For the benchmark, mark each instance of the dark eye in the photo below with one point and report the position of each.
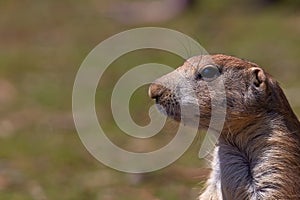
(209, 73)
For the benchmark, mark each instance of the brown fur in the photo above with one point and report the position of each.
(258, 151)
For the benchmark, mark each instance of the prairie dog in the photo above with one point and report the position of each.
(258, 152)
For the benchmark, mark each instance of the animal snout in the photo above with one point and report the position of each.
(156, 90)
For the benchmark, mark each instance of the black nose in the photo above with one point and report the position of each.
(156, 90)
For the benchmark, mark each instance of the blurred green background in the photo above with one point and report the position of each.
(42, 44)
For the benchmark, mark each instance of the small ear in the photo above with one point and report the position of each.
(258, 77)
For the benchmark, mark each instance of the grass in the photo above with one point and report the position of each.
(42, 46)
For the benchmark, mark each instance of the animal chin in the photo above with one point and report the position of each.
(161, 108)
(169, 111)
(186, 115)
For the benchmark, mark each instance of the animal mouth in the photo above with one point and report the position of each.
(173, 105)
(181, 112)
(170, 111)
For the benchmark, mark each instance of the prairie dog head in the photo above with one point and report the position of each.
(224, 84)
